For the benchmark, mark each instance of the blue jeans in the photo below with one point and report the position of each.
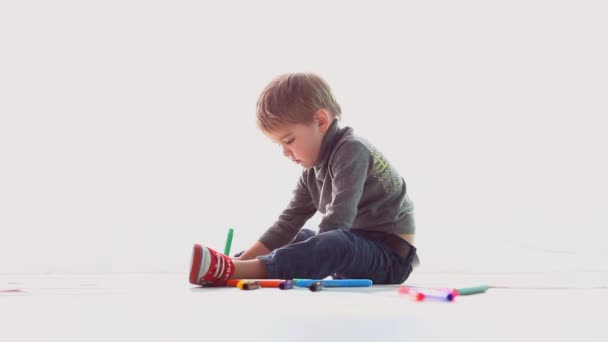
(383, 258)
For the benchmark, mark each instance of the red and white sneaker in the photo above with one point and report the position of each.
(209, 268)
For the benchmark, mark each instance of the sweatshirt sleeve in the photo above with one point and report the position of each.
(300, 209)
(350, 168)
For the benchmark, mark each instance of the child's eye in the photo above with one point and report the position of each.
(290, 141)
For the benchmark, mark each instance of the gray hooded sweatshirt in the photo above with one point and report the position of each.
(352, 185)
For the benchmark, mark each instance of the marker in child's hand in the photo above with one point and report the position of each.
(228, 242)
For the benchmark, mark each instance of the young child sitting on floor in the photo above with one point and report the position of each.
(367, 229)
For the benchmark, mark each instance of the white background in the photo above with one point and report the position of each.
(127, 128)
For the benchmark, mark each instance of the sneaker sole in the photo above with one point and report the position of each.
(195, 265)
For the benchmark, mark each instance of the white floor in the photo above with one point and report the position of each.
(164, 307)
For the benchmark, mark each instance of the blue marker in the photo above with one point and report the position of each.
(316, 286)
(286, 285)
(334, 282)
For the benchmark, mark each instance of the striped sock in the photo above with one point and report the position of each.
(210, 268)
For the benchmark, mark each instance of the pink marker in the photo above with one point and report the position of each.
(421, 294)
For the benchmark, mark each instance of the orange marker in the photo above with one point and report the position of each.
(248, 285)
(261, 282)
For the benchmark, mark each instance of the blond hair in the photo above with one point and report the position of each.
(294, 98)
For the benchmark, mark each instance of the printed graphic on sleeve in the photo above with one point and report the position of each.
(383, 172)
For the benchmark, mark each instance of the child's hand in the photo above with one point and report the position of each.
(256, 250)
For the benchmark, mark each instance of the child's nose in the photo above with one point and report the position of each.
(286, 152)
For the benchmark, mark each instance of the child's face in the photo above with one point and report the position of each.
(301, 142)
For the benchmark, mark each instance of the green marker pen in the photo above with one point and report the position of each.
(465, 291)
(228, 242)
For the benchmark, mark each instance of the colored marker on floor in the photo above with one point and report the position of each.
(262, 282)
(316, 286)
(286, 285)
(465, 291)
(420, 293)
(434, 295)
(334, 282)
(248, 285)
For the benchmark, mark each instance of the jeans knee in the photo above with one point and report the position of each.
(303, 235)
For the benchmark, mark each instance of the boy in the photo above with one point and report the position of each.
(367, 229)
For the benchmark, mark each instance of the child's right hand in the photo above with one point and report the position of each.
(256, 250)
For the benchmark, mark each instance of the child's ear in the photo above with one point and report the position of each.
(322, 120)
